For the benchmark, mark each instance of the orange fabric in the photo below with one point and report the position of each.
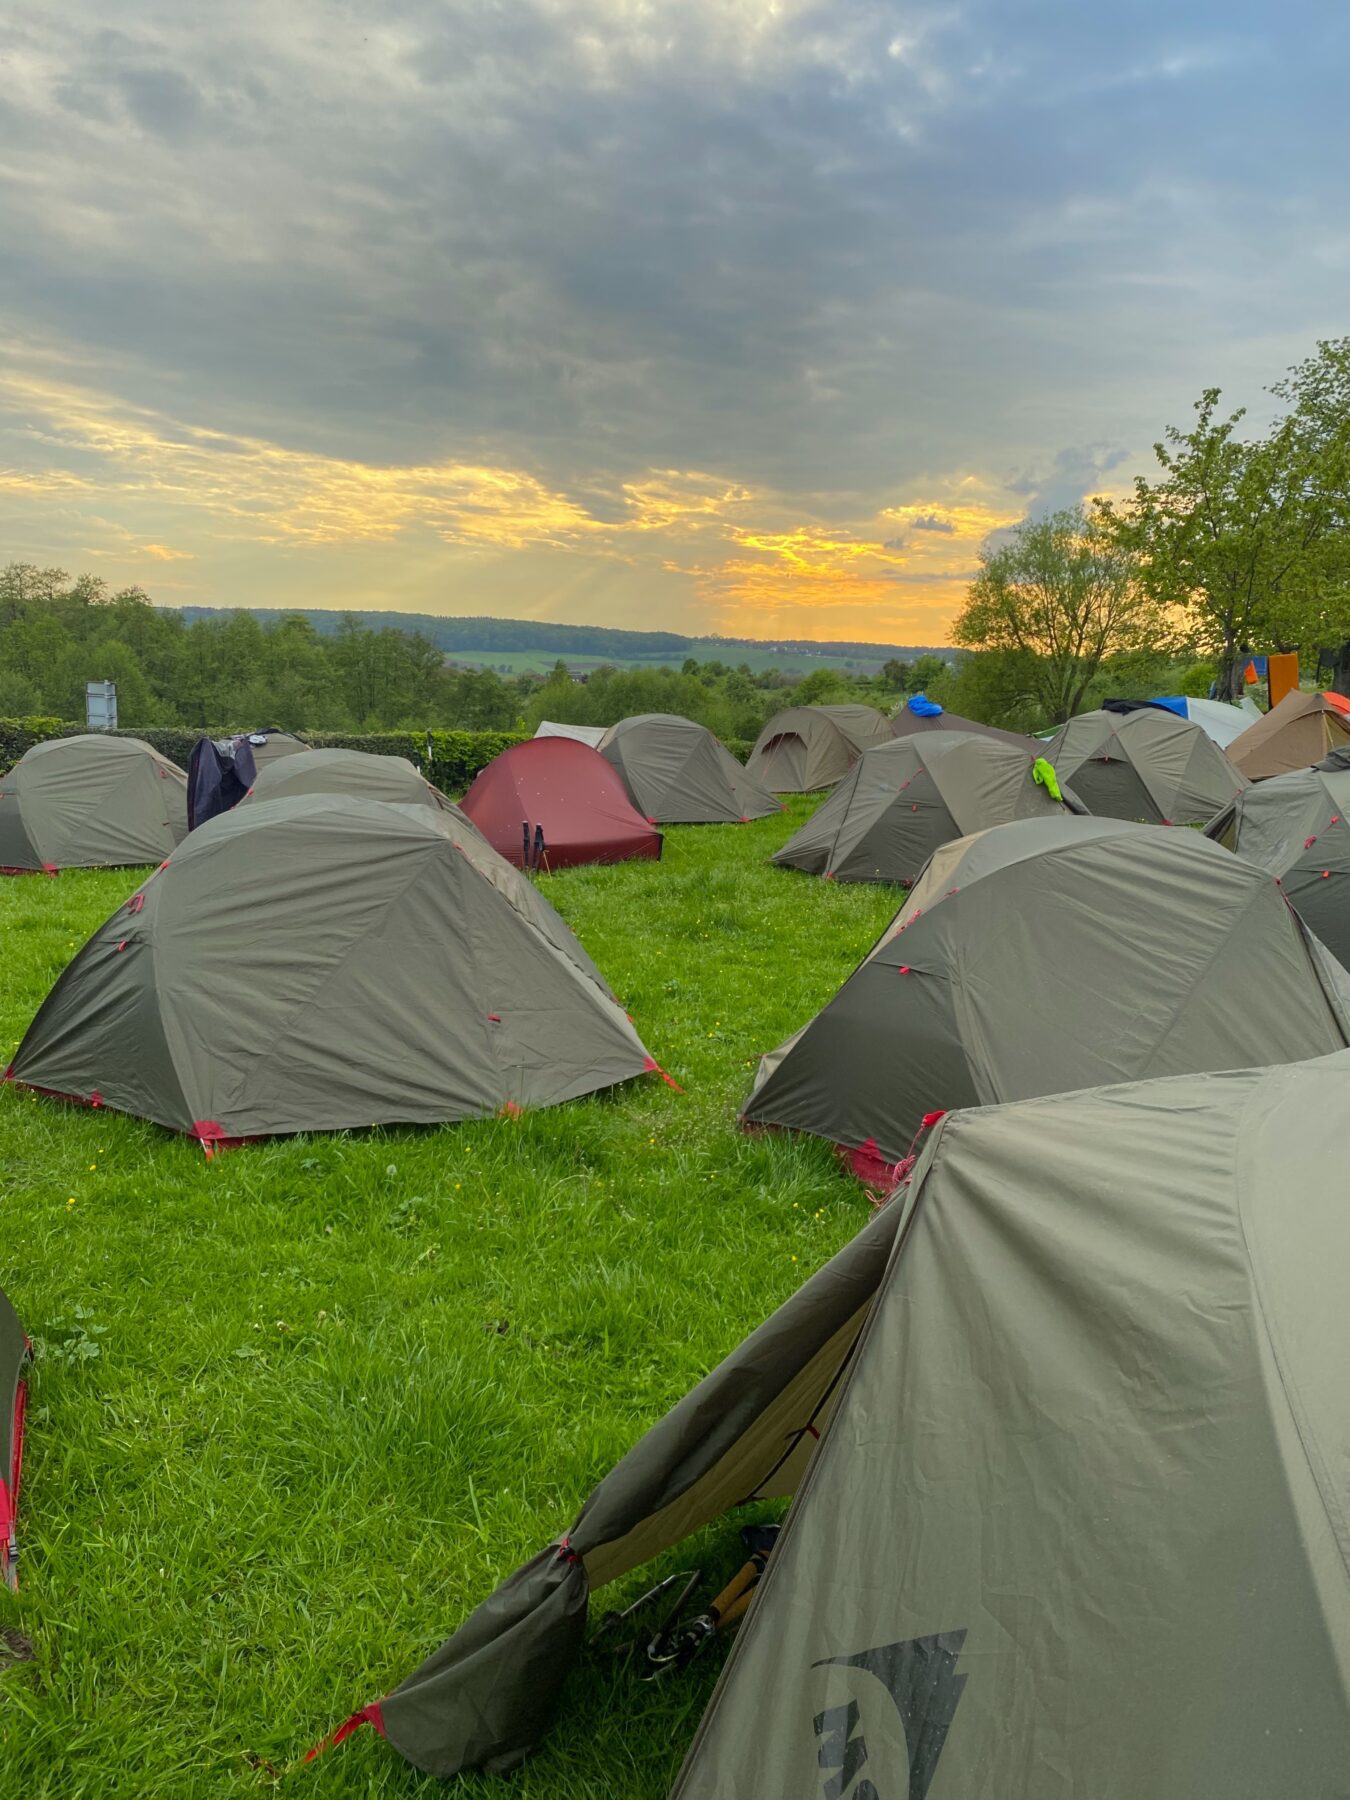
(1339, 701)
(1249, 675)
(1283, 675)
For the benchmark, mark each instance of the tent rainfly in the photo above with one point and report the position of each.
(322, 962)
(223, 770)
(553, 804)
(354, 772)
(903, 799)
(1047, 955)
(1219, 719)
(14, 1353)
(90, 802)
(1297, 733)
(808, 747)
(1296, 827)
(581, 734)
(919, 713)
(1066, 1432)
(677, 773)
(1146, 764)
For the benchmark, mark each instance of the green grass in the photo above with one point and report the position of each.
(345, 1384)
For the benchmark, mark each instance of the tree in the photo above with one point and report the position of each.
(1249, 535)
(1066, 593)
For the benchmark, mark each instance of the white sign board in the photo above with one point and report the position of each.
(100, 705)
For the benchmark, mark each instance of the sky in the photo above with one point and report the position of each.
(704, 315)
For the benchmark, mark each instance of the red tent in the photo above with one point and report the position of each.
(553, 803)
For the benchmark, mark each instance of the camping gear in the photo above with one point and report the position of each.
(1068, 1440)
(1051, 954)
(919, 713)
(1297, 733)
(1144, 764)
(581, 734)
(676, 1639)
(354, 772)
(677, 773)
(90, 802)
(1218, 719)
(553, 803)
(323, 962)
(222, 770)
(903, 799)
(1298, 827)
(15, 1351)
(808, 747)
(1281, 675)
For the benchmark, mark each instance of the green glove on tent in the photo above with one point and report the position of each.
(1044, 772)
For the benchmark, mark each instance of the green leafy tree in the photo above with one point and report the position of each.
(1066, 593)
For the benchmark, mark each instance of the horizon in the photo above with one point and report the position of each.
(752, 321)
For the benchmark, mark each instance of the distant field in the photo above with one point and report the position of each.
(296, 1411)
(791, 662)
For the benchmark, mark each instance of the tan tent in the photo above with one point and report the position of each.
(1047, 955)
(323, 962)
(808, 747)
(355, 772)
(903, 799)
(1067, 1434)
(1297, 733)
(1298, 827)
(1147, 764)
(90, 802)
(677, 773)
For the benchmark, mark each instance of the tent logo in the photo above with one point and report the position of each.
(920, 1676)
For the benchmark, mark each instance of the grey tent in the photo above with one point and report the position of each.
(921, 714)
(270, 744)
(1147, 765)
(903, 799)
(322, 962)
(355, 772)
(1296, 826)
(581, 734)
(677, 773)
(1295, 734)
(14, 1353)
(1047, 955)
(90, 802)
(808, 747)
(1067, 1434)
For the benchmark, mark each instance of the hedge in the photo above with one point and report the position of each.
(456, 756)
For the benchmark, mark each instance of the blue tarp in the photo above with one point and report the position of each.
(923, 706)
(1173, 702)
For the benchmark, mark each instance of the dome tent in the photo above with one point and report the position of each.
(1099, 1336)
(1144, 764)
(1296, 826)
(14, 1353)
(323, 962)
(1295, 734)
(1047, 955)
(808, 747)
(919, 713)
(354, 772)
(1220, 719)
(90, 802)
(553, 803)
(581, 734)
(677, 773)
(903, 799)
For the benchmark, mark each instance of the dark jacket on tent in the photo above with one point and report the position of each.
(1047, 955)
(903, 799)
(1067, 1434)
(322, 962)
(1144, 764)
(14, 1353)
(677, 773)
(554, 803)
(808, 747)
(90, 802)
(223, 770)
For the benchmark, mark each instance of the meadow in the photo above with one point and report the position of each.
(296, 1411)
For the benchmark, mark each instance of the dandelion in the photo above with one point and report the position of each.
(71, 1201)
(92, 1167)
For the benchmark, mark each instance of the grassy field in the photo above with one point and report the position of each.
(296, 1411)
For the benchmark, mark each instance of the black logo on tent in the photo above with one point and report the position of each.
(920, 1676)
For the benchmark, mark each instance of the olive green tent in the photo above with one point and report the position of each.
(1293, 735)
(90, 802)
(808, 747)
(677, 773)
(354, 772)
(1047, 955)
(1067, 1431)
(1296, 827)
(320, 962)
(14, 1352)
(269, 745)
(903, 799)
(1147, 764)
